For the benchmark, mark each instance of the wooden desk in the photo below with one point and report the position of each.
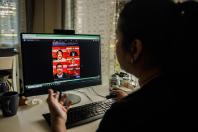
(30, 119)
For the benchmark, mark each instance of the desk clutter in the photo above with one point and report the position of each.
(123, 81)
(9, 99)
(8, 63)
(4, 83)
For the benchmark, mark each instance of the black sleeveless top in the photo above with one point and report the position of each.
(157, 106)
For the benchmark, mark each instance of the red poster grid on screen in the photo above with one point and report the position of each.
(70, 59)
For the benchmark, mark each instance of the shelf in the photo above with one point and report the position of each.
(8, 62)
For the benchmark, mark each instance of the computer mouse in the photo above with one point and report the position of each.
(111, 95)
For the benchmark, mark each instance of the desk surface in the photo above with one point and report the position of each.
(29, 118)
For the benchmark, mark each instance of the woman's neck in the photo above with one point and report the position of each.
(148, 75)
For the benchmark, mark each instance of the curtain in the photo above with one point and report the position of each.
(29, 6)
(98, 17)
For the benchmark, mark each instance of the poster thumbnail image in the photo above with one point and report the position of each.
(66, 62)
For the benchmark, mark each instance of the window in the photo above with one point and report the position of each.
(8, 22)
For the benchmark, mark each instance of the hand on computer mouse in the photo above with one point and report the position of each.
(111, 95)
(119, 94)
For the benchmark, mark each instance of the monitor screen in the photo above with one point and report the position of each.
(61, 62)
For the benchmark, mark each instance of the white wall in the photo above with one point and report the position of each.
(98, 17)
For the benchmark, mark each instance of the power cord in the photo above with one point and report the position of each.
(97, 93)
(85, 95)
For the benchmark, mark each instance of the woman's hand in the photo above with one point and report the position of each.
(119, 94)
(57, 110)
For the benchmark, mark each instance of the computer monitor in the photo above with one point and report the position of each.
(58, 61)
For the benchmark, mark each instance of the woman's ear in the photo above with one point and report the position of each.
(136, 49)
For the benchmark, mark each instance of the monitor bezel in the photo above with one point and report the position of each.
(41, 91)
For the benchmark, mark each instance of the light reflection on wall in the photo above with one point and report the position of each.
(98, 17)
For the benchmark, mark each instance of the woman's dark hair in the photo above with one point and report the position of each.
(164, 27)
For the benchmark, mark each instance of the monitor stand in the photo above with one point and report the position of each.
(73, 98)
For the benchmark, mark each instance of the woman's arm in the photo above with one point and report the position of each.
(58, 111)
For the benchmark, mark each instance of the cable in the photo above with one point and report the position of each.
(9, 85)
(84, 94)
(97, 93)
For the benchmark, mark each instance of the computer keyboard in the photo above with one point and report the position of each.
(85, 113)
